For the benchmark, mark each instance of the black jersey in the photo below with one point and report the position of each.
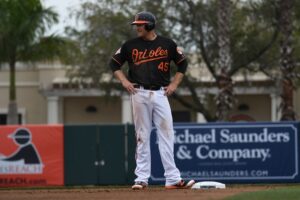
(149, 61)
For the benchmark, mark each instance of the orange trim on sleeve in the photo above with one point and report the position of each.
(180, 61)
(116, 61)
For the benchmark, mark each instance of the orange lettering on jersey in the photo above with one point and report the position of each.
(140, 57)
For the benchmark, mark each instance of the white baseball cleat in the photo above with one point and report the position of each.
(139, 186)
(181, 185)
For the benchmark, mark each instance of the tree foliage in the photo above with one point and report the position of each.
(22, 28)
(193, 24)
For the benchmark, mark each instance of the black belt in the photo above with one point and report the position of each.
(147, 87)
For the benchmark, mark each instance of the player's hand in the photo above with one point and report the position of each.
(128, 86)
(170, 89)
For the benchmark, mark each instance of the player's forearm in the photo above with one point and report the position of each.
(177, 78)
(120, 76)
(126, 84)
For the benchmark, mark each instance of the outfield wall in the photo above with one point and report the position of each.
(36, 155)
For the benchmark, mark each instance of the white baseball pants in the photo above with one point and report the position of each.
(153, 106)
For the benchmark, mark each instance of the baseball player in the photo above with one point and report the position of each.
(148, 81)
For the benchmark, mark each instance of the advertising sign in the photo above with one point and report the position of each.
(31, 156)
(233, 152)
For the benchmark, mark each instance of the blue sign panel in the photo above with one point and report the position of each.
(232, 152)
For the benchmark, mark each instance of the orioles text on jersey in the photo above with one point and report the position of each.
(139, 57)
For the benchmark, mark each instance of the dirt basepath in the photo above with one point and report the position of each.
(98, 193)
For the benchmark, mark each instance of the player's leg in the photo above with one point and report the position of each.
(162, 118)
(143, 124)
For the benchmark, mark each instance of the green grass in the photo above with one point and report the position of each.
(285, 193)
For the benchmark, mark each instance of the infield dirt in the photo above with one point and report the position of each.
(113, 193)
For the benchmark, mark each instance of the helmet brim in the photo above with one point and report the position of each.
(139, 22)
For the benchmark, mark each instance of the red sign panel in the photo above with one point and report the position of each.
(31, 155)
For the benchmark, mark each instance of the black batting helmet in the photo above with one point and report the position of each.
(146, 18)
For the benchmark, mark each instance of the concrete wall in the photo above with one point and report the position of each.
(176, 106)
(29, 99)
(108, 111)
(33, 104)
(259, 107)
(29, 83)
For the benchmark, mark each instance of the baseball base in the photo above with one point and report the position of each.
(208, 185)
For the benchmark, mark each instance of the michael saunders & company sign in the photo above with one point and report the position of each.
(233, 152)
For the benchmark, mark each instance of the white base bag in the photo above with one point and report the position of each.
(208, 185)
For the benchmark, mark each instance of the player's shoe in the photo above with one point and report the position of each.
(139, 186)
(181, 185)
